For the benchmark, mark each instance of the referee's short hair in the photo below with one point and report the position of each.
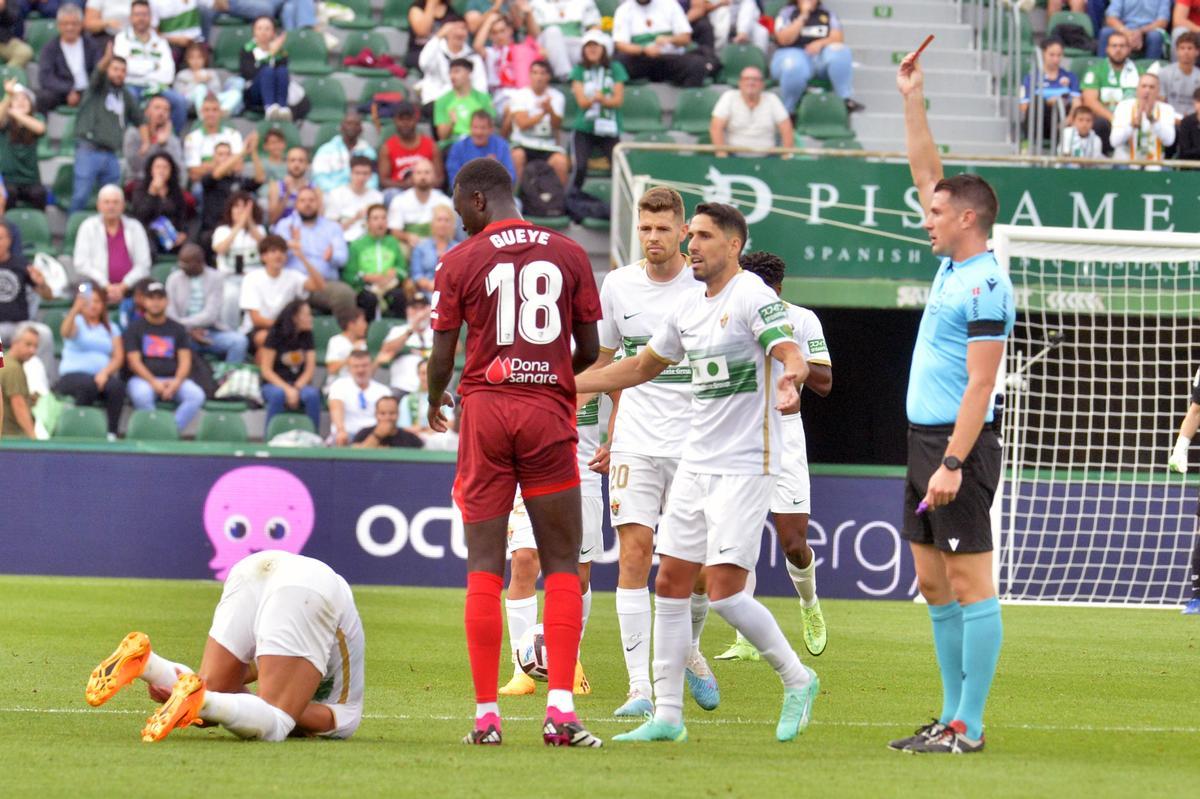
(661, 198)
(975, 193)
(767, 265)
(727, 218)
(486, 176)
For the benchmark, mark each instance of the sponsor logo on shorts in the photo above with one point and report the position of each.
(519, 370)
(723, 550)
(615, 506)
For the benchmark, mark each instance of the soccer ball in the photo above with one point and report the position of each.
(531, 653)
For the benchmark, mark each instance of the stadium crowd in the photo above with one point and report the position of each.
(209, 256)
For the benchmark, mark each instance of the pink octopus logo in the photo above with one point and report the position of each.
(253, 508)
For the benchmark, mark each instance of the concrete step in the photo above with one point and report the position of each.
(931, 59)
(926, 11)
(959, 148)
(937, 81)
(886, 33)
(989, 128)
(887, 101)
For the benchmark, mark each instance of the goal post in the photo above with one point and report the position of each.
(1097, 375)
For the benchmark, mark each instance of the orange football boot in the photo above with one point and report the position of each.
(182, 709)
(119, 669)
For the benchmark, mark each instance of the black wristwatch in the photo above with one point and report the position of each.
(952, 463)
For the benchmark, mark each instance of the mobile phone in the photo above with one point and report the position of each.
(239, 263)
(85, 289)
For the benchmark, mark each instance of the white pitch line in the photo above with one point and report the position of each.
(737, 721)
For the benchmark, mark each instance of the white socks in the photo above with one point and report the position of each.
(699, 605)
(561, 700)
(755, 622)
(587, 611)
(483, 708)
(672, 643)
(805, 581)
(162, 672)
(247, 716)
(633, 615)
(522, 614)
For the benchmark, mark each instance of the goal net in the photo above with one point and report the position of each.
(1098, 374)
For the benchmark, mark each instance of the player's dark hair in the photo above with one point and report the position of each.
(1051, 40)
(486, 176)
(768, 266)
(387, 398)
(347, 315)
(465, 63)
(659, 199)
(544, 64)
(375, 207)
(272, 241)
(975, 193)
(727, 218)
(285, 324)
(1087, 111)
(1189, 37)
(482, 114)
(357, 355)
(362, 160)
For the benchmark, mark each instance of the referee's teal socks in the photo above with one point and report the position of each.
(948, 643)
(982, 633)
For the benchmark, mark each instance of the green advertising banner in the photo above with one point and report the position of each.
(850, 229)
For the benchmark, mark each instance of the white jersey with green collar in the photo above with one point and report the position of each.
(808, 333)
(735, 428)
(587, 419)
(653, 418)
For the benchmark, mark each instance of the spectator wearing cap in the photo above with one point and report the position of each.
(13, 51)
(404, 148)
(562, 26)
(331, 163)
(1181, 79)
(652, 37)
(385, 432)
(1143, 22)
(811, 45)
(158, 353)
(111, 249)
(445, 51)
(481, 142)
(66, 61)
(749, 117)
(106, 110)
(429, 251)
(407, 345)
(352, 399)
(453, 109)
(17, 408)
(377, 268)
(598, 84)
(195, 295)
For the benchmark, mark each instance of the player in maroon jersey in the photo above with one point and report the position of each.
(524, 292)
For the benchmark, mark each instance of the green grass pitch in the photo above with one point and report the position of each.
(1087, 702)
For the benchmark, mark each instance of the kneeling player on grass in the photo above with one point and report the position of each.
(790, 503)
(732, 329)
(524, 293)
(285, 620)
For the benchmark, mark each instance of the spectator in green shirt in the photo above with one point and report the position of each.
(1109, 82)
(377, 267)
(452, 111)
(20, 130)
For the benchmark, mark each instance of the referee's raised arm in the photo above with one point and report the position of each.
(923, 158)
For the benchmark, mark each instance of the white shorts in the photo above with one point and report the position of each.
(520, 529)
(297, 608)
(716, 518)
(638, 487)
(792, 491)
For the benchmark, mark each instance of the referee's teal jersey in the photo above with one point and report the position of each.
(969, 301)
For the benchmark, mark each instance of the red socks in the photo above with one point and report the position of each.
(562, 621)
(485, 631)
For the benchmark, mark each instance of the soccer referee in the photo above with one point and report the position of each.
(953, 448)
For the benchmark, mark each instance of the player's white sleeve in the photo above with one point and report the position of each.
(811, 337)
(765, 314)
(610, 337)
(666, 343)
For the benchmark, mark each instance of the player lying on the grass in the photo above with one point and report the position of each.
(286, 621)
(954, 452)
(732, 328)
(525, 293)
(649, 425)
(790, 504)
(1179, 463)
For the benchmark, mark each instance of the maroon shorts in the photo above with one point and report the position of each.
(505, 441)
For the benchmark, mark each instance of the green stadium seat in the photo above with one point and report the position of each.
(324, 328)
(328, 131)
(642, 111)
(156, 425)
(227, 406)
(224, 427)
(823, 116)
(230, 41)
(693, 111)
(289, 130)
(81, 422)
(654, 137)
(161, 270)
(39, 32)
(395, 13)
(570, 109)
(603, 190)
(1025, 33)
(363, 18)
(229, 21)
(380, 84)
(285, 422)
(376, 333)
(552, 222)
(736, 57)
(35, 230)
(327, 97)
(848, 143)
(1071, 18)
(53, 318)
(307, 54)
(73, 223)
(354, 44)
(771, 8)
(607, 7)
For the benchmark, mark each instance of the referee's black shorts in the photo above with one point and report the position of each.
(965, 525)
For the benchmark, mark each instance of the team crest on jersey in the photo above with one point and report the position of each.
(724, 320)
(518, 370)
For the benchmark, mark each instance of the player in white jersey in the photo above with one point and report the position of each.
(520, 600)
(284, 621)
(731, 329)
(791, 504)
(651, 423)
